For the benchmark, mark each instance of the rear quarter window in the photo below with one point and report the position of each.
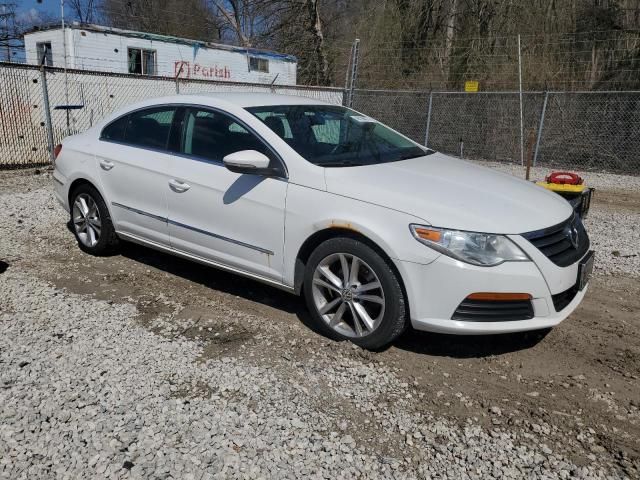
(115, 131)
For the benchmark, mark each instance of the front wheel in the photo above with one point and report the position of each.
(353, 293)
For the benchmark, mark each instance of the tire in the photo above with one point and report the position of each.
(88, 213)
(325, 294)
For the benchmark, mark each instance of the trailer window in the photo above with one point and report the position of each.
(142, 62)
(44, 52)
(257, 64)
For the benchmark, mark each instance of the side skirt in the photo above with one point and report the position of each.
(204, 261)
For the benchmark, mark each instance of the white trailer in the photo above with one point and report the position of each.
(105, 49)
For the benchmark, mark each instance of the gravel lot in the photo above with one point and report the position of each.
(142, 365)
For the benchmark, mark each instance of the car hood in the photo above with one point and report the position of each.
(449, 192)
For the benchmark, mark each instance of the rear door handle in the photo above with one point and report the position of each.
(106, 165)
(178, 186)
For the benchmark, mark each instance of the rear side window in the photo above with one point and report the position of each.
(150, 127)
(115, 130)
(144, 128)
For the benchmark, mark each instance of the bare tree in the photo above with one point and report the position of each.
(233, 17)
(181, 18)
(84, 10)
(291, 26)
(315, 29)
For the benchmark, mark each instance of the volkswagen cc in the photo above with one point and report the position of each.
(375, 231)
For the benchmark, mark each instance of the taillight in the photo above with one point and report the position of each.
(56, 150)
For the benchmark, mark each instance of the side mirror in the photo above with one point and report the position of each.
(249, 161)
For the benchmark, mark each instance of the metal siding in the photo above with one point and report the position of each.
(96, 51)
(57, 48)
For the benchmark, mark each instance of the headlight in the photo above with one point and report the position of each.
(483, 249)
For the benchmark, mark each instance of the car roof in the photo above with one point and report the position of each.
(244, 99)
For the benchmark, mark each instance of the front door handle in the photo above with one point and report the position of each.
(106, 165)
(178, 186)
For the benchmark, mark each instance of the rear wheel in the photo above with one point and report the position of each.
(91, 221)
(353, 293)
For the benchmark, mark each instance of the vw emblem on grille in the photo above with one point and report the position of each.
(572, 235)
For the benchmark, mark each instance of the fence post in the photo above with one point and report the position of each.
(345, 97)
(521, 112)
(426, 133)
(177, 78)
(47, 110)
(354, 71)
(544, 110)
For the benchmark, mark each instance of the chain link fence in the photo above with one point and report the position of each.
(79, 98)
(23, 136)
(579, 130)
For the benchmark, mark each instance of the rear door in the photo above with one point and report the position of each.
(133, 162)
(231, 218)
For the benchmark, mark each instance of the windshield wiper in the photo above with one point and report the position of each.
(407, 156)
(341, 163)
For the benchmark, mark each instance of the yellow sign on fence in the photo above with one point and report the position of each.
(471, 86)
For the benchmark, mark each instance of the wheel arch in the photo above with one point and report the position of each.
(77, 183)
(83, 180)
(317, 238)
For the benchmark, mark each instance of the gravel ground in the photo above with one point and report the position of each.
(141, 365)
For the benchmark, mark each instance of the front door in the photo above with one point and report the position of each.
(133, 165)
(234, 219)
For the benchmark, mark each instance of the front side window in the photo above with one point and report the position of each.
(141, 61)
(332, 136)
(149, 127)
(213, 135)
(45, 55)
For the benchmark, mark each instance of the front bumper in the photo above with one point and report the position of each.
(435, 291)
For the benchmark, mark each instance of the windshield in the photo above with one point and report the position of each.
(332, 136)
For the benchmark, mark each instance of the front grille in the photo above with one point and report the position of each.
(562, 299)
(555, 242)
(493, 311)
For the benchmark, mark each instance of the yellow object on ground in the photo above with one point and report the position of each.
(562, 187)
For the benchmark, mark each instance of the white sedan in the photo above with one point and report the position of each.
(375, 230)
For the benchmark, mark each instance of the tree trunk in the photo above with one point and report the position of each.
(315, 28)
(593, 74)
(234, 20)
(450, 31)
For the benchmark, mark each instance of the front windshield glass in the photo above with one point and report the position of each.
(332, 136)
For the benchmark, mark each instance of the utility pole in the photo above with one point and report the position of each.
(7, 16)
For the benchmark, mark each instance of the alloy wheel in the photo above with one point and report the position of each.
(86, 220)
(348, 295)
